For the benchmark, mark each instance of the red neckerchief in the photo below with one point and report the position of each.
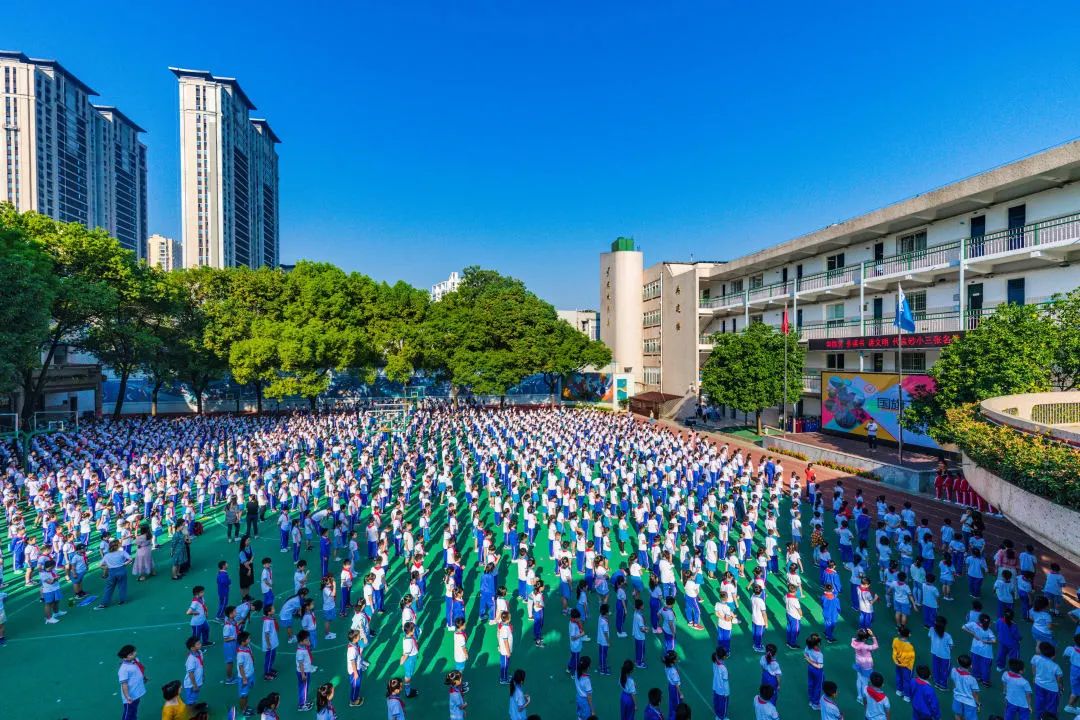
(401, 705)
(962, 672)
(201, 603)
(875, 694)
(246, 650)
(198, 656)
(270, 619)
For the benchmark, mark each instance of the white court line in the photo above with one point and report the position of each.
(51, 636)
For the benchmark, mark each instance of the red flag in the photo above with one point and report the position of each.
(784, 323)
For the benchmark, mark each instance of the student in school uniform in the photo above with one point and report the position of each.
(627, 691)
(674, 681)
(200, 628)
(229, 643)
(966, 701)
(456, 698)
(245, 669)
(583, 689)
(270, 641)
(982, 650)
(505, 637)
(395, 706)
(409, 657)
(815, 670)
(875, 699)
(266, 582)
(132, 677)
(519, 699)
(924, 699)
(941, 644)
(1072, 655)
(829, 709)
(305, 667)
(1017, 691)
(194, 671)
(1047, 677)
(763, 706)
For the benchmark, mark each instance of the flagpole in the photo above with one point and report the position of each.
(899, 385)
(784, 333)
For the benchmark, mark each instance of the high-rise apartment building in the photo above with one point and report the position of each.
(165, 252)
(1007, 235)
(228, 175)
(65, 157)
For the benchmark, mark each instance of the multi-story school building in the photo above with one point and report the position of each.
(1010, 234)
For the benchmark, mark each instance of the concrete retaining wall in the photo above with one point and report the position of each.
(895, 475)
(1054, 526)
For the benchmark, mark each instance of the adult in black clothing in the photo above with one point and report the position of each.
(246, 565)
(252, 528)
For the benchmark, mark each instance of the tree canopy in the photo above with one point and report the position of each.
(746, 370)
(282, 333)
(1016, 349)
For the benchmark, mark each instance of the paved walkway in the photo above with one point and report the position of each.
(913, 459)
(926, 506)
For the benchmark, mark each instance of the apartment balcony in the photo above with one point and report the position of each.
(811, 382)
(946, 321)
(920, 266)
(725, 302)
(705, 342)
(836, 282)
(1049, 241)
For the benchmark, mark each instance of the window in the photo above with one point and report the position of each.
(757, 319)
(757, 281)
(913, 362)
(878, 360)
(783, 276)
(1015, 291)
(911, 243)
(798, 317)
(834, 361)
(652, 375)
(834, 262)
(736, 286)
(651, 318)
(652, 346)
(651, 290)
(917, 301)
(834, 314)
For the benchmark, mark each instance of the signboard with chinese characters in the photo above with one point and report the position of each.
(912, 341)
(850, 400)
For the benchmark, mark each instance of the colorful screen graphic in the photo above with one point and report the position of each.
(850, 399)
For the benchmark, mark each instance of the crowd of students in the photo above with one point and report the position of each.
(621, 527)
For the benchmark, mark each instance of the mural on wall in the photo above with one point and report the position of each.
(850, 399)
(587, 387)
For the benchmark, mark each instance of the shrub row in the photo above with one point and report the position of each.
(1037, 463)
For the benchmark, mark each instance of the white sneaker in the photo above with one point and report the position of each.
(1072, 709)
(292, 641)
(51, 621)
(330, 636)
(60, 613)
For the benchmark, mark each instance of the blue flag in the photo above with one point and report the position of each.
(904, 319)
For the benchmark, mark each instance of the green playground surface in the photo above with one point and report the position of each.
(68, 670)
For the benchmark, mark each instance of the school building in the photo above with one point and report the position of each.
(1010, 234)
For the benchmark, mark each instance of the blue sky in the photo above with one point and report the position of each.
(422, 137)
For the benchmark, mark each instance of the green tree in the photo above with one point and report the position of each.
(83, 262)
(126, 337)
(237, 299)
(322, 328)
(746, 370)
(487, 336)
(197, 361)
(396, 329)
(26, 294)
(564, 350)
(1011, 351)
(1064, 313)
